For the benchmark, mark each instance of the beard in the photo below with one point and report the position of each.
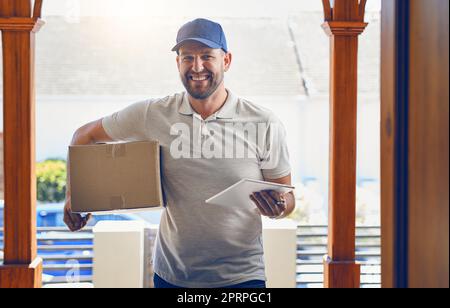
(202, 91)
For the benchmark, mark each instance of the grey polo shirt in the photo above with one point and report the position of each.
(200, 245)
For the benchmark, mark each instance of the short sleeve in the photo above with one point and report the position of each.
(128, 124)
(275, 162)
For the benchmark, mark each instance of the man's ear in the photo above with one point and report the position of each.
(178, 62)
(227, 61)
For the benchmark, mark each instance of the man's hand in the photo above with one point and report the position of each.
(270, 203)
(75, 222)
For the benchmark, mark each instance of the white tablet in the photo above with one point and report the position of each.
(239, 193)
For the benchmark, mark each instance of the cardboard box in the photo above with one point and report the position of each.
(107, 178)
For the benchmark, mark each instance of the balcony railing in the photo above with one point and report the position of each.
(68, 257)
(312, 246)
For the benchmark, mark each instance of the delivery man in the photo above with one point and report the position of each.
(201, 245)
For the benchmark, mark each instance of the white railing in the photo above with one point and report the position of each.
(60, 248)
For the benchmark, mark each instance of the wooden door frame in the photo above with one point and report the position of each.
(394, 142)
(19, 21)
(414, 185)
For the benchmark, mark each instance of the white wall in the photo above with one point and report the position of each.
(177, 8)
(306, 123)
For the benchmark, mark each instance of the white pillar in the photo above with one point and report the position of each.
(119, 250)
(280, 252)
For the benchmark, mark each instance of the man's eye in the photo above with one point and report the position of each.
(207, 57)
(188, 58)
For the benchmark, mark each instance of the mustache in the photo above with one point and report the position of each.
(200, 73)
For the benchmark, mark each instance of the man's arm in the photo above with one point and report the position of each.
(90, 133)
(267, 201)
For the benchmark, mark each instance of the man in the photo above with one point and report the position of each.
(201, 245)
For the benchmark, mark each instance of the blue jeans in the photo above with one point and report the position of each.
(253, 284)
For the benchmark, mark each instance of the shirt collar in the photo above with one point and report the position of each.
(228, 110)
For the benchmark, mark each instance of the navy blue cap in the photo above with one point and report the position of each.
(204, 31)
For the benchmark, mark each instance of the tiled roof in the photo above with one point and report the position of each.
(313, 46)
(101, 56)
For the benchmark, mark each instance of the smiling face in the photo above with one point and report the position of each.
(202, 69)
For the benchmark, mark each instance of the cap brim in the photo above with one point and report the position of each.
(208, 43)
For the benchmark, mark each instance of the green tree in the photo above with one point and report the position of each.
(51, 180)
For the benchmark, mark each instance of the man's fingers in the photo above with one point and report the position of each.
(83, 224)
(77, 221)
(68, 219)
(68, 223)
(88, 217)
(275, 195)
(259, 206)
(271, 203)
(267, 203)
(264, 204)
(279, 198)
(74, 221)
(86, 220)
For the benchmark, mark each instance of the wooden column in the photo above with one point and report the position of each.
(415, 144)
(344, 22)
(19, 24)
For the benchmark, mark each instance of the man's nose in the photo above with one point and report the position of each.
(198, 65)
